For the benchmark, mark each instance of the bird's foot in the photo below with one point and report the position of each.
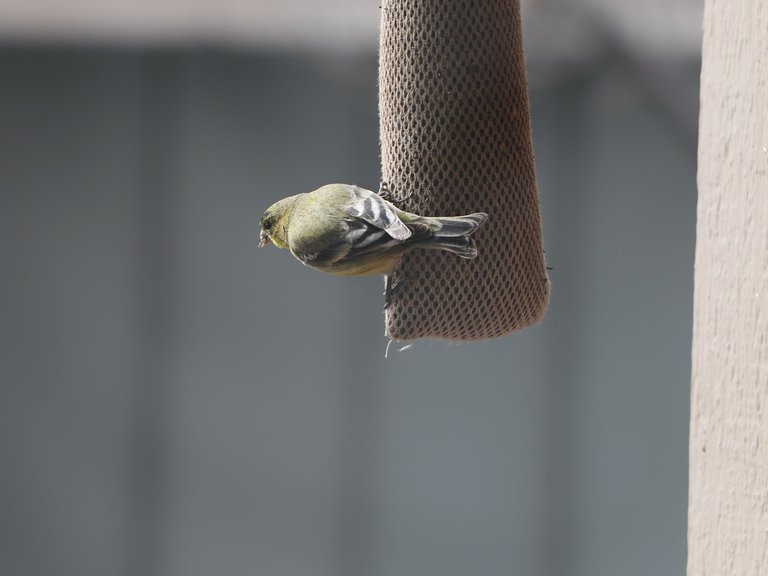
(393, 284)
(385, 191)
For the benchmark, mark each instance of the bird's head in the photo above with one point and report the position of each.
(274, 223)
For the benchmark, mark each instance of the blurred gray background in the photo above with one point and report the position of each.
(175, 402)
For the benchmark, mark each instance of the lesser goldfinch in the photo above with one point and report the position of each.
(347, 230)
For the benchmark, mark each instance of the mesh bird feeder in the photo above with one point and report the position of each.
(455, 139)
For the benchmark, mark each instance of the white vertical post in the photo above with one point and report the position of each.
(728, 501)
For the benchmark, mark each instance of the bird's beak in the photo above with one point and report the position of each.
(263, 239)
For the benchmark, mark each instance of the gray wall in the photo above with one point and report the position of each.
(174, 401)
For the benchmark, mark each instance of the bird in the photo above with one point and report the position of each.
(346, 230)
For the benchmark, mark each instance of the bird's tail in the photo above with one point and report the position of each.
(448, 227)
(453, 233)
(462, 246)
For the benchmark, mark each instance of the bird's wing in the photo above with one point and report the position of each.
(377, 212)
(369, 229)
(367, 240)
(362, 241)
(319, 241)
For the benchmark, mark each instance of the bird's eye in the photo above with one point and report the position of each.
(267, 225)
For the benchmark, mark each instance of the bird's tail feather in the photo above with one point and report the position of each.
(451, 234)
(457, 226)
(462, 246)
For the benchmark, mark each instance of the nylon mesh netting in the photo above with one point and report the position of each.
(455, 139)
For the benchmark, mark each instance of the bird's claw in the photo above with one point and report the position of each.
(384, 190)
(386, 193)
(392, 286)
